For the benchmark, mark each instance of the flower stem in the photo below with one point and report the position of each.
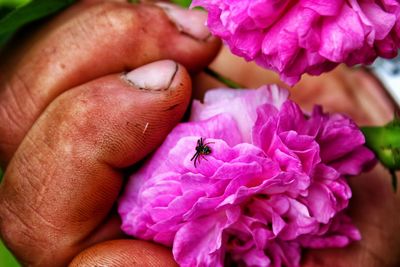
(394, 180)
(228, 82)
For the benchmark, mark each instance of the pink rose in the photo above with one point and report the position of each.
(274, 182)
(293, 37)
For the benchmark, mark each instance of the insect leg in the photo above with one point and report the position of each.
(194, 157)
(204, 157)
(208, 143)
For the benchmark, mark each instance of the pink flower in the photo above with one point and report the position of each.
(273, 183)
(294, 37)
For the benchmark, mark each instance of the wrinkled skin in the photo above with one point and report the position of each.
(70, 125)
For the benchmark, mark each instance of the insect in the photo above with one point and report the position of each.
(201, 150)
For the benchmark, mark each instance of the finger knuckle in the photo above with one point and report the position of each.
(15, 102)
(108, 18)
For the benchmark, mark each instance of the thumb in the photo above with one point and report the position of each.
(125, 253)
(64, 178)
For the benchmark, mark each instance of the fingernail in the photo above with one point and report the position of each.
(156, 76)
(190, 22)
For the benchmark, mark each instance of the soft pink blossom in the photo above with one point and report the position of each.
(293, 37)
(275, 182)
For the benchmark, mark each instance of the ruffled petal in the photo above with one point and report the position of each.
(308, 36)
(271, 181)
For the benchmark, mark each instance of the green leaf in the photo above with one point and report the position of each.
(6, 258)
(385, 142)
(184, 3)
(4, 11)
(13, 3)
(25, 14)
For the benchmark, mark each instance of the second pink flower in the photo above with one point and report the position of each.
(307, 36)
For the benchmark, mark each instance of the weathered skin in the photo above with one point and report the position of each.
(69, 123)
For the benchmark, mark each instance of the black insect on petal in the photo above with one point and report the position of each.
(202, 149)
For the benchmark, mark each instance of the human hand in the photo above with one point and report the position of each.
(71, 122)
(375, 208)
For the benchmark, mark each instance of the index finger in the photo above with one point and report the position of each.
(90, 40)
(60, 187)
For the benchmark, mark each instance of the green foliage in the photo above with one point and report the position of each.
(13, 3)
(4, 10)
(6, 258)
(385, 142)
(184, 3)
(27, 13)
